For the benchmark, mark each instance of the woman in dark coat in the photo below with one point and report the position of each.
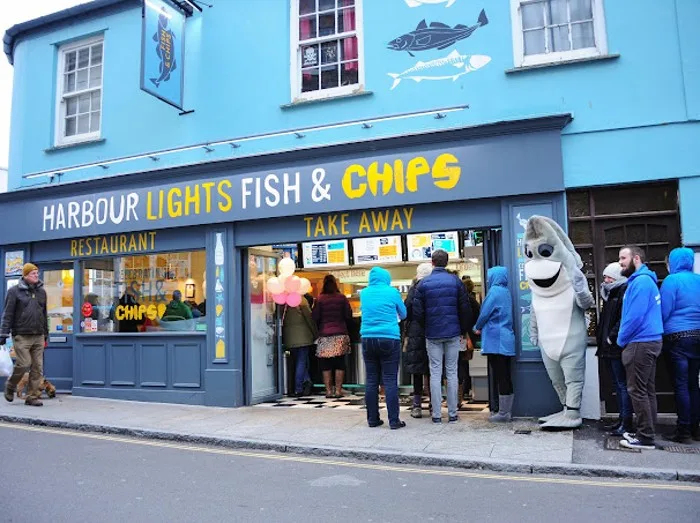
(415, 358)
(333, 316)
(465, 379)
(612, 290)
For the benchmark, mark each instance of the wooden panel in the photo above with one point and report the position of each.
(154, 364)
(93, 367)
(186, 365)
(122, 364)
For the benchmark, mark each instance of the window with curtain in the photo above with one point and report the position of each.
(79, 90)
(326, 57)
(550, 31)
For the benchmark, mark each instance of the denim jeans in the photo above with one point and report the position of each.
(449, 349)
(381, 357)
(619, 377)
(685, 366)
(301, 374)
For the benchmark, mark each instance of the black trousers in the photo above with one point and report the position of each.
(499, 366)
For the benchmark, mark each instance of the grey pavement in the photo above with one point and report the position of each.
(473, 442)
(80, 477)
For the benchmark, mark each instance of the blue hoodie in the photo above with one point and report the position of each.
(641, 309)
(496, 318)
(680, 293)
(381, 307)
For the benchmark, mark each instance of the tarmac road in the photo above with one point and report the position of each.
(55, 476)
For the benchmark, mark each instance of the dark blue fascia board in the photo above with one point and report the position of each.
(72, 14)
(421, 140)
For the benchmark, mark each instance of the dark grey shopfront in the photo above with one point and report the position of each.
(486, 177)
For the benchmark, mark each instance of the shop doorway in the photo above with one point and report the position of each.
(271, 368)
(58, 281)
(264, 328)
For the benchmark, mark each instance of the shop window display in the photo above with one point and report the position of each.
(147, 293)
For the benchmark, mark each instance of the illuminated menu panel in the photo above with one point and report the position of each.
(421, 246)
(379, 249)
(331, 253)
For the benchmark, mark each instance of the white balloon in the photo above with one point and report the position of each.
(286, 267)
(305, 286)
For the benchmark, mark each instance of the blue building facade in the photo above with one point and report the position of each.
(151, 127)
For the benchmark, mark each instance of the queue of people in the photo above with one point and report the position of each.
(440, 322)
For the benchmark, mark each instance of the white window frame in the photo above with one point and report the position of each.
(295, 54)
(60, 126)
(522, 60)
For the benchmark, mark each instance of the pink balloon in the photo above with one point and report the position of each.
(280, 299)
(292, 284)
(294, 299)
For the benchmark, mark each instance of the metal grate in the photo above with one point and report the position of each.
(680, 450)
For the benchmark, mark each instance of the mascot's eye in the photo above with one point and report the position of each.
(545, 250)
(528, 252)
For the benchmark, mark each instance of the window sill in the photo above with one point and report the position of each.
(57, 148)
(303, 103)
(573, 61)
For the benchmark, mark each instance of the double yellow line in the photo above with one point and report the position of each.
(358, 465)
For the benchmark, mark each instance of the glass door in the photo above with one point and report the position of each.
(58, 357)
(263, 329)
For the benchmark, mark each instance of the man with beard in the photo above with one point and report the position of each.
(640, 334)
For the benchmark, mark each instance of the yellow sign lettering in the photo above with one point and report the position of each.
(446, 171)
(348, 188)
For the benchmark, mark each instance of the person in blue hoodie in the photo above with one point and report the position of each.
(680, 309)
(641, 328)
(382, 308)
(495, 324)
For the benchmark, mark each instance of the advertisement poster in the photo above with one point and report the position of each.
(162, 51)
(333, 253)
(380, 249)
(421, 246)
(14, 260)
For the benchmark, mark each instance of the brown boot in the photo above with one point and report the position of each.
(460, 395)
(9, 392)
(34, 402)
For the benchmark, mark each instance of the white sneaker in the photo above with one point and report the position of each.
(634, 443)
(629, 436)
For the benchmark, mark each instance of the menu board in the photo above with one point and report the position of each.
(421, 246)
(380, 249)
(331, 253)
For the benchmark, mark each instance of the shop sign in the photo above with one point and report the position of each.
(114, 244)
(377, 221)
(163, 51)
(452, 171)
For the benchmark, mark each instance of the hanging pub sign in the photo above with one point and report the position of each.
(163, 51)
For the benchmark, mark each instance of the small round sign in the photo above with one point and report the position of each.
(87, 309)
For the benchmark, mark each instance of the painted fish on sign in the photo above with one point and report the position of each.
(164, 49)
(450, 67)
(435, 36)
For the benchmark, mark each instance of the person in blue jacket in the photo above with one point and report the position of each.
(495, 324)
(639, 336)
(680, 310)
(382, 309)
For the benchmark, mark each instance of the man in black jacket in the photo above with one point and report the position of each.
(612, 291)
(25, 319)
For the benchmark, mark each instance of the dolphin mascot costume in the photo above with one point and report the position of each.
(560, 297)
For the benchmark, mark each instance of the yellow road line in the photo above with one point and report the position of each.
(359, 465)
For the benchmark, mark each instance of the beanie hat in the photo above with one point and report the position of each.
(614, 271)
(29, 267)
(423, 270)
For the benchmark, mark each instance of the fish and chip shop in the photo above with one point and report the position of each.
(113, 251)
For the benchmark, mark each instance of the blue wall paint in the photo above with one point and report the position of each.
(236, 82)
(689, 190)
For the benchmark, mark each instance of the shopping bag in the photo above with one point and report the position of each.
(6, 366)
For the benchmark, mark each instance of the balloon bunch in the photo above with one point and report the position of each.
(287, 288)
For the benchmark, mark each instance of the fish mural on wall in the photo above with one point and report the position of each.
(417, 3)
(164, 49)
(451, 67)
(435, 36)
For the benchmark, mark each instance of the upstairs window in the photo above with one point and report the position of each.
(79, 89)
(326, 44)
(550, 31)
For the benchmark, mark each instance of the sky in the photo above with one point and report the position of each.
(14, 13)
